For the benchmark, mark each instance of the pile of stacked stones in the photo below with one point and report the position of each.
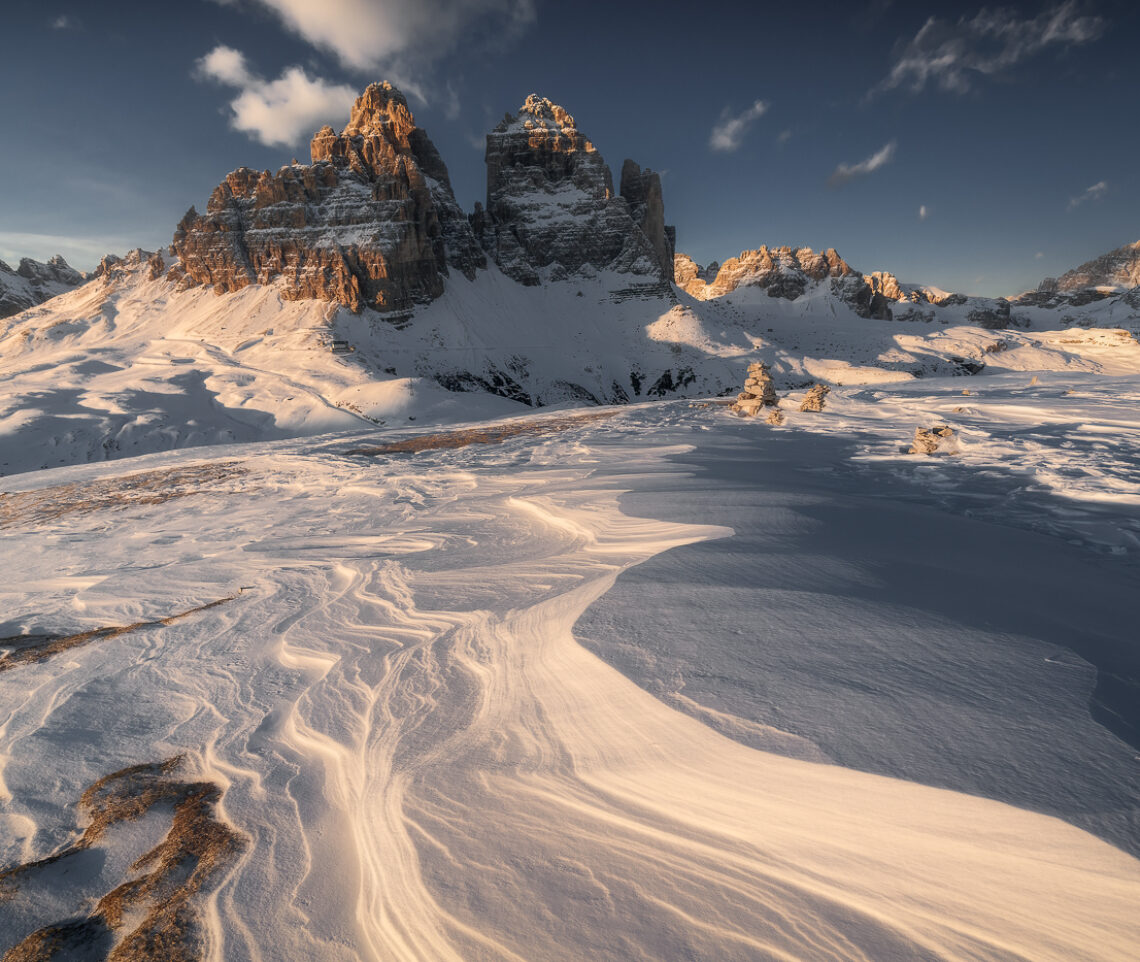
(813, 400)
(758, 393)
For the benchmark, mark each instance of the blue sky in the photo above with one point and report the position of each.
(978, 149)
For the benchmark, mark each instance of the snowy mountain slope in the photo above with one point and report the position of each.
(419, 761)
(127, 365)
(131, 364)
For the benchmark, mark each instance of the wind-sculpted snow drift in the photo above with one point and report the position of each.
(420, 761)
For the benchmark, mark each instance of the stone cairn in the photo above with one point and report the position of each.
(814, 399)
(758, 393)
(939, 438)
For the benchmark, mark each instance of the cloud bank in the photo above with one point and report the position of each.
(952, 55)
(728, 133)
(281, 112)
(367, 35)
(845, 173)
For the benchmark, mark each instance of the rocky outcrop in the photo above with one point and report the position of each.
(33, 283)
(372, 221)
(113, 268)
(551, 210)
(993, 315)
(1118, 270)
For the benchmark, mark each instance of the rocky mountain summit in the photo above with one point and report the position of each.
(33, 283)
(551, 209)
(372, 221)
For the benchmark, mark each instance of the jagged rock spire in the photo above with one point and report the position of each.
(371, 222)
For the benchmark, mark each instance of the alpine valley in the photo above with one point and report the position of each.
(355, 289)
(385, 580)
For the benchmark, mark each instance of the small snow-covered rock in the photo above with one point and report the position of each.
(939, 439)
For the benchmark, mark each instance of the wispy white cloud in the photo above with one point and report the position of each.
(922, 212)
(368, 35)
(1095, 192)
(1039, 255)
(279, 112)
(783, 137)
(65, 22)
(728, 132)
(952, 55)
(845, 173)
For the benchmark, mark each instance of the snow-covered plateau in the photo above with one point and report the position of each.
(317, 641)
(647, 681)
(640, 682)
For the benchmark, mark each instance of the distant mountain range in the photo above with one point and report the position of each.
(355, 287)
(33, 283)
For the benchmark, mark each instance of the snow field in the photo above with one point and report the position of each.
(428, 765)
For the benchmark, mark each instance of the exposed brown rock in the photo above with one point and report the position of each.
(371, 222)
(157, 915)
(687, 275)
(886, 284)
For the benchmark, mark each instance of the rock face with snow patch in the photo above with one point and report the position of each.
(551, 210)
(1117, 270)
(371, 222)
(33, 283)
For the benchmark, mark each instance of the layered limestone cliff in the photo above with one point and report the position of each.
(372, 221)
(32, 283)
(551, 209)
